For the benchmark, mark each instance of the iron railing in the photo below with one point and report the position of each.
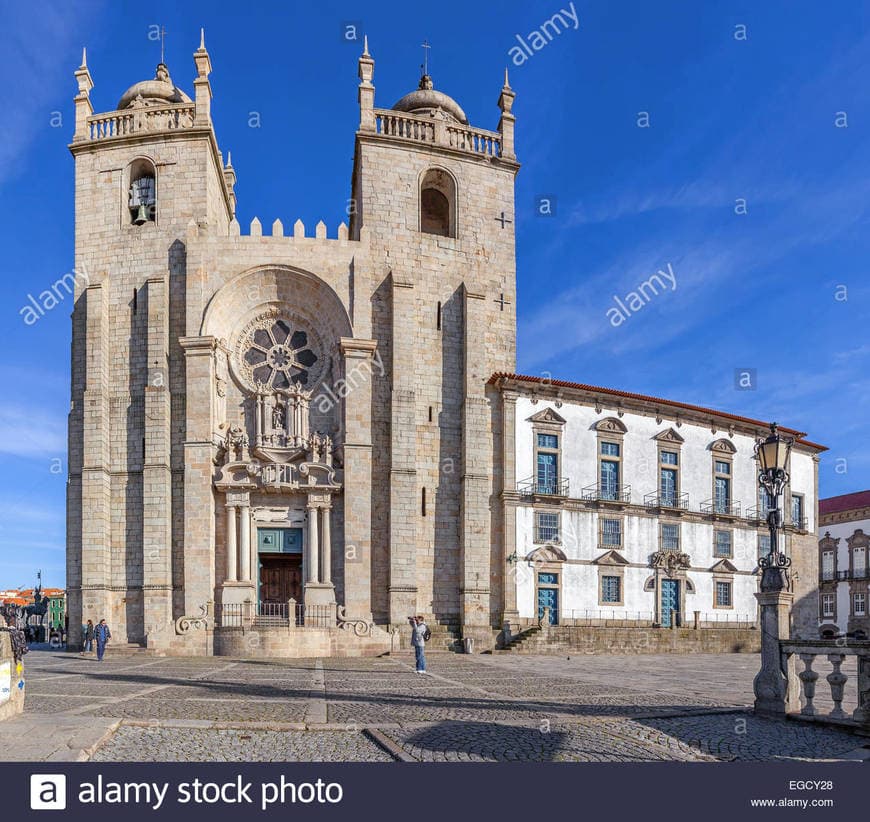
(606, 493)
(275, 615)
(656, 499)
(549, 487)
(719, 507)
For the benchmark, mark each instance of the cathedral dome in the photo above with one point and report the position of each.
(158, 91)
(426, 100)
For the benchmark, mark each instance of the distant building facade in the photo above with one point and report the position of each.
(844, 578)
(632, 508)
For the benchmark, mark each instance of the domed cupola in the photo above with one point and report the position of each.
(429, 102)
(156, 92)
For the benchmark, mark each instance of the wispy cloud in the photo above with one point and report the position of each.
(31, 432)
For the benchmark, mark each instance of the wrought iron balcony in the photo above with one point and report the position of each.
(853, 573)
(799, 523)
(757, 513)
(719, 507)
(606, 493)
(550, 487)
(655, 499)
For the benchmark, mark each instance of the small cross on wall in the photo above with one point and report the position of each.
(503, 219)
(501, 302)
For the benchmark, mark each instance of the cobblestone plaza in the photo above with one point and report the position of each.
(471, 708)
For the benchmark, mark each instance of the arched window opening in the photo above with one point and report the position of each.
(438, 204)
(142, 194)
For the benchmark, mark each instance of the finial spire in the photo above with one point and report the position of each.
(366, 46)
(162, 44)
(426, 46)
(202, 39)
(507, 83)
(84, 57)
(229, 159)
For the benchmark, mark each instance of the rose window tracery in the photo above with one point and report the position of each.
(276, 353)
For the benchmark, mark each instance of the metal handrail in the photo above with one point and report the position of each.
(715, 507)
(532, 485)
(655, 499)
(597, 492)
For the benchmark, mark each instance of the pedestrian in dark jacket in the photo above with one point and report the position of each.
(102, 635)
(88, 637)
(419, 634)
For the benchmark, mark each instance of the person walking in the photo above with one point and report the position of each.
(420, 634)
(102, 635)
(88, 637)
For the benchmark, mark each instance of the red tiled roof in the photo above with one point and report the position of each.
(799, 435)
(844, 502)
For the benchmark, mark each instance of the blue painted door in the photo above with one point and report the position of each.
(548, 597)
(670, 602)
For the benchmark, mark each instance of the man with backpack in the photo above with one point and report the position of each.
(420, 635)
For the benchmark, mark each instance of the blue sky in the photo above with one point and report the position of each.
(730, 120)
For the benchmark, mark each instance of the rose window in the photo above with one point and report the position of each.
(278, 355)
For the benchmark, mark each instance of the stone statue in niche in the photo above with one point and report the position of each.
(279, 416)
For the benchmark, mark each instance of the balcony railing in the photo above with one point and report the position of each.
(420, 129)
(846, 699)
(725, 508)
(800, 523)
(606, 493)
(853, 573)
(170, 117)
(656, 499)
(757, 513)
(550, 487)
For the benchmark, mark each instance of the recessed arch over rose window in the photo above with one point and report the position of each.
(276, 351)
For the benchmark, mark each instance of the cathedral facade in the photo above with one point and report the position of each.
(285, 441)
(284, 416)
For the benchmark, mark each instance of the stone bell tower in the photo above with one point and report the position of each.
(436, 197)
(144, 172)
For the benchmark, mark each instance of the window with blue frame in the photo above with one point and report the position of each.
(611, 590)
(609, 470)
(611, 533)
(548, 463)
(797, 510)
(723, 547)
(722, 487)
(670, 537)
(723, 594)
(546, 526)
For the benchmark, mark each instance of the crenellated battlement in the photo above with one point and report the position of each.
(320, 234)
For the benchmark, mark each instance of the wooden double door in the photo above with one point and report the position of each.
(280, 578)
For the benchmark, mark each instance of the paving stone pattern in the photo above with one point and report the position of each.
(470, 708)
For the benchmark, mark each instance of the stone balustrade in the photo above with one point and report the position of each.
(805, 663)
(146, 119)
(456, 136)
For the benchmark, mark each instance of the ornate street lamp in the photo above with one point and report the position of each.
(772, 455)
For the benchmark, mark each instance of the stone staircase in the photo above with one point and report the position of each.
(526, 642)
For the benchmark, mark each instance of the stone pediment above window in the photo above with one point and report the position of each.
(827, 542)
(610, 558)
(724, 567)
(723, 446)
(610, 425)
(858, 539)
(548, 415)
(546, 553)
(669, 436)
